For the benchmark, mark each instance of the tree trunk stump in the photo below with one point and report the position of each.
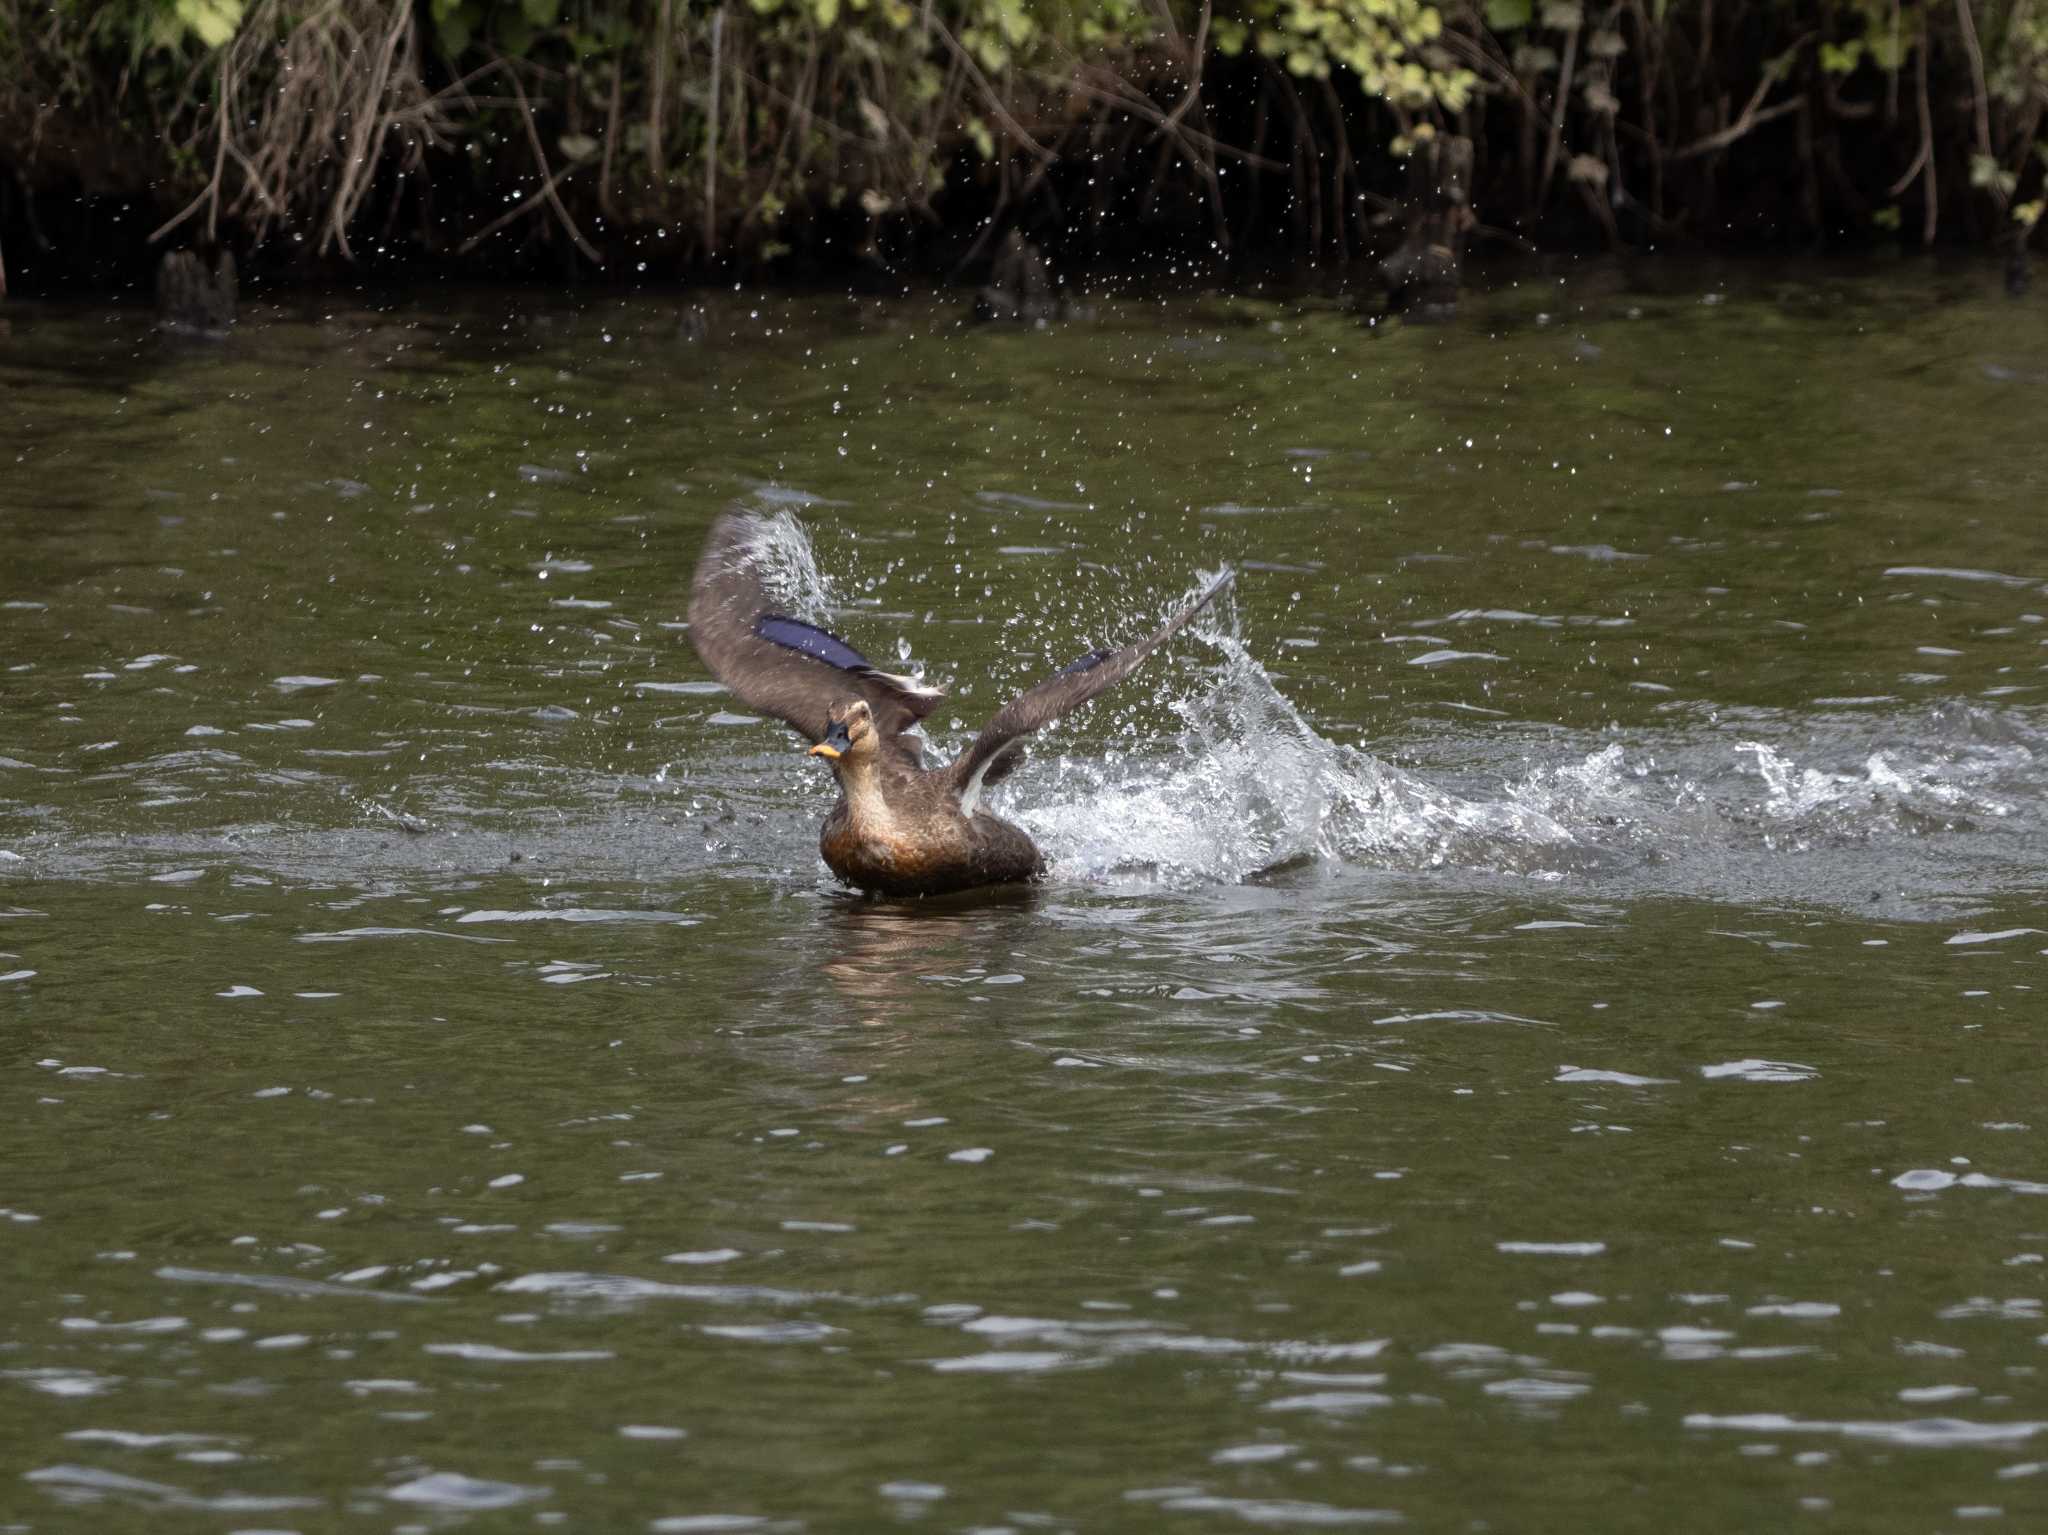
(1422, 275)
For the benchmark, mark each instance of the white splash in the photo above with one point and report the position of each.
(1248, 786)
(789, 569)
(1941, 785)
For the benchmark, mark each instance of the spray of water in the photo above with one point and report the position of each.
(1238, 783)
(780, 549)
(1247, 785)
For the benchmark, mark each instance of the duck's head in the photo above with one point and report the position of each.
(851, 736)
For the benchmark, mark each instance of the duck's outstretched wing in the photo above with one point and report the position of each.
(999, 746)
(783, 666)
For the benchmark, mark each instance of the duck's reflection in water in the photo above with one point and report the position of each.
(881, 950)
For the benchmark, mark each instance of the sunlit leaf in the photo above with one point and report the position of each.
(1841, 58)
(213, 22)
(1888, 52)
(1590, 169)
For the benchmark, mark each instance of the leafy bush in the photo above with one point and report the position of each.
(705, 129)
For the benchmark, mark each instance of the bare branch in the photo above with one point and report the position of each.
(1748, 123)
(540, 155)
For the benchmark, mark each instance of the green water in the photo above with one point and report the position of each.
(1536, 1023)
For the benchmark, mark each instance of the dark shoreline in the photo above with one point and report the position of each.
(1948, 273)
(635, 138)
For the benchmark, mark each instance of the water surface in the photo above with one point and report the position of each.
(1535, 1024)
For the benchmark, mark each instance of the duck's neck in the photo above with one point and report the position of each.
(861, 783)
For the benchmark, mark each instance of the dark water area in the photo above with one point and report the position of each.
(1536, 1022)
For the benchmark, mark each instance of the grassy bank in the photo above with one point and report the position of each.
(661, 137)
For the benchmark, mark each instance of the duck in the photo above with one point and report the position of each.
(899, 829)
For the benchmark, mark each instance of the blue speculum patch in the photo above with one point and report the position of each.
(1089, 662)
(809, 640)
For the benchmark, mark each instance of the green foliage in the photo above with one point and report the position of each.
(1987, 173)
(1000, 35)
(1877, 32)
(456, 24)
(1386, 44)
(213, 22)
(870, 104)
(514, 27)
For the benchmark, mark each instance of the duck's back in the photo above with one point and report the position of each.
(1002, 852)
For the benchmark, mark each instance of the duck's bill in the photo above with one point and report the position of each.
(834, 746)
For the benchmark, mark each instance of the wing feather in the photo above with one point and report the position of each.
(996, 751)
(782, 666)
